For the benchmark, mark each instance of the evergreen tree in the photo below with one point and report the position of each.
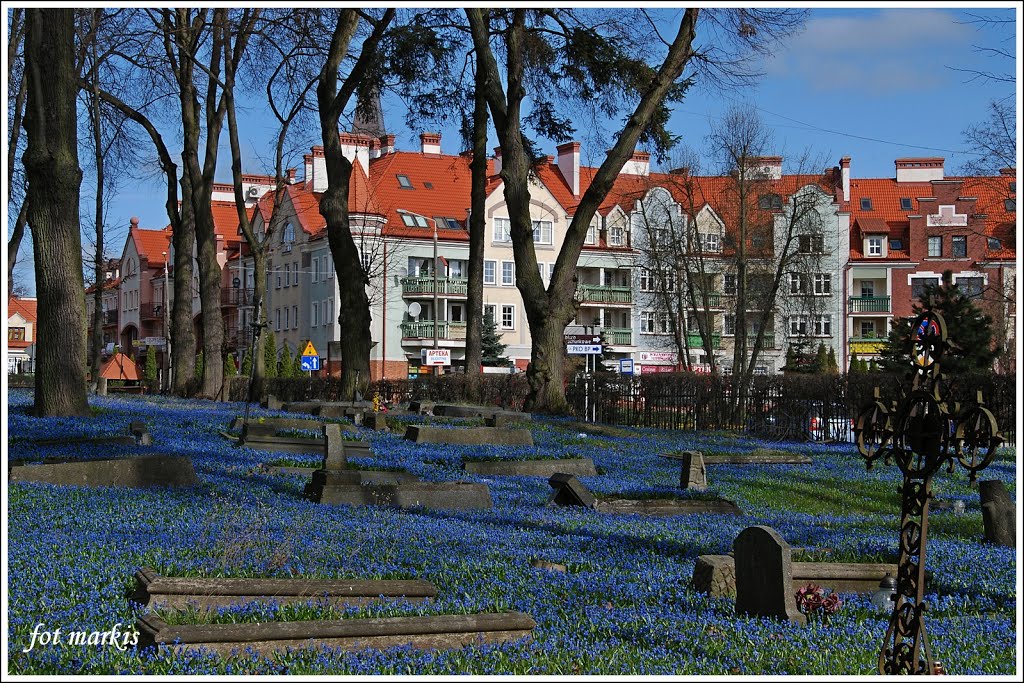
(790, 365)
(269, 355)
(854, 362)
(821, 360)
(150, 371)
(833, 366)
(247, 363)
(287, 365)
(492, 350)
(969, 332)
(200, 362)
(297, 365)
(230, 369)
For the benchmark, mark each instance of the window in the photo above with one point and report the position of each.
(1010, 205)
(797, 285)
(551, 271)
(616, 236)
(295, 317)
(867, 288)
(287, 275)
(295, 273)
(288, 234)
(502, 230)
(591, 234)
(710, 242)
(541, 270)
(663, 323)
(823, 283)
(729, 283)
(906, 204)
(822, 326)
(404, 182)
(769, 201)
(16, 334)
(971, 286)
(315, 317)
(647, 322)
(896, 244)
(414, 220)
(328, 309)
(508, 317)
(277, 318)
(327, 266)
(729, 324)
(874, 246)
(919, 284)
(508, 273)
(645, 282)
(542, 232)
(316, 270)
(994, 244)
(286, 318)
(959, 246)
(453, 224)
(811, 244)
(935, 246)
(278, 281)
(865, 203)
(867, 329)
(489, 272)
(797, 325)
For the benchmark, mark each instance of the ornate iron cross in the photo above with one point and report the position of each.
(921, 432)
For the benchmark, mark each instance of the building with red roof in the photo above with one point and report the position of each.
(21, 334)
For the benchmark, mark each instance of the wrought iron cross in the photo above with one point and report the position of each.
(921, 432)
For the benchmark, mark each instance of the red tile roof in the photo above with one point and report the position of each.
(872, 225)
(25, 307)
(121, 367)
(152, 244)
(109, 284)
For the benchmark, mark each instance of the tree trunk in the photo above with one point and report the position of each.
(209, 296)
(259, 311)
(183, 340)
(477, 228)
(54, 182)
(96, 353)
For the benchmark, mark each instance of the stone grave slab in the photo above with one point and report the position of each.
(764, 576)
(141, 471)
(421, 407)
(757, 457)
(998, 513)
(301, 407)
(203, 593)
(451, 410)
(138, 435)
(692, 474)
(273, 403)
(716, 575)
(443, 632)
(469, 436)
(667, 507)
(568, 490)
(448, 495)
(281, 423)
(583, 467)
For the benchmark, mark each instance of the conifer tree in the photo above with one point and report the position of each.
(150, 370)
(492, 350)
(821, 360)
(200, 363)
(833, 366)
(854, 362)
(230, 370)
(287, 365)
(270, 354)
(247, 363)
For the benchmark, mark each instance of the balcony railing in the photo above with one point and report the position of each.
(110, 317)
(235, 296)
(448, 286)
(694, 341)
(767, 342)
(605, 294)
(714, 299)
(424, 329)
(869, 304)
(866, 345)
(618, 336)
(151, 311)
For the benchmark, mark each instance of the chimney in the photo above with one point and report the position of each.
(1008, 172)
(639, 164)
(290, 176)
(356, 149)
(682, 170)
(497, 160)
(920, 169)
(568, 162)
(769, 167)
(430, 143)
(844, 170)
(307, 169)
(387, 144)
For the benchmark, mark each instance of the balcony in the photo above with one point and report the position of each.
(694, 341)
(618, 336)
(151, 311)
(447, 286)
(424, 329)
(234, 296)
(866, 345)
(110, 317)
(714, 299)
(869, 304)
(604, 294)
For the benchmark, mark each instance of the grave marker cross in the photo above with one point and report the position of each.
(921, 432)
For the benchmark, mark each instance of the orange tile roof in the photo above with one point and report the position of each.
(152, 244)
(447, 196)
(25, 307)
(121, 367)
(109, 284)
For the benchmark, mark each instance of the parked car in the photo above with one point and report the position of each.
(829, 423)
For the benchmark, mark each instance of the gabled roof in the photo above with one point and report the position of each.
(152, 244)
(112, 283)
(120, 367)
(26, 308)
(441, 186)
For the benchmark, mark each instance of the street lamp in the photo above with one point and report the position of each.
(167, 326)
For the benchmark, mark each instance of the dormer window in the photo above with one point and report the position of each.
(874, 246)
(994, 244)
(710, 242)
(769, 201)
(896, 244)
(288, 234)
(906, 204)
(1010, 205)
(413, 220)
(865, 203)
(404, 182)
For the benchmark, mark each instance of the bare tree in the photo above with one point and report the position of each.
(17, 91)
(54, 180)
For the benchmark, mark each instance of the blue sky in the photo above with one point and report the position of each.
(870, 83)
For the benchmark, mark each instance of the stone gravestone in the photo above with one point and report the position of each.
(764, 575)
(998, 513)
(334, 448)
(569, 491)
(693, 475)
(257, 429)
(141, 433)
(498, 420)
(274, 403)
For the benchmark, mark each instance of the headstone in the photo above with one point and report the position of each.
(274, 403)
(356, 415)
(550, 566)
(998, 513)
(569, 491)
(764, 575)
(378, 422)
(257, 429)
(498, 421)
(334, 448)
(101, 386)
(693, 475)
(141, 433)
(715, 575)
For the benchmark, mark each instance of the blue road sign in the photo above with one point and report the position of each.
(310, 363)
(626, 366)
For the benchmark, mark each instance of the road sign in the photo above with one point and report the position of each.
(626, 366)
(310, 350)
(583, 349)
(436, 356)
(582, 339)
(153, 341)
(310, 363)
